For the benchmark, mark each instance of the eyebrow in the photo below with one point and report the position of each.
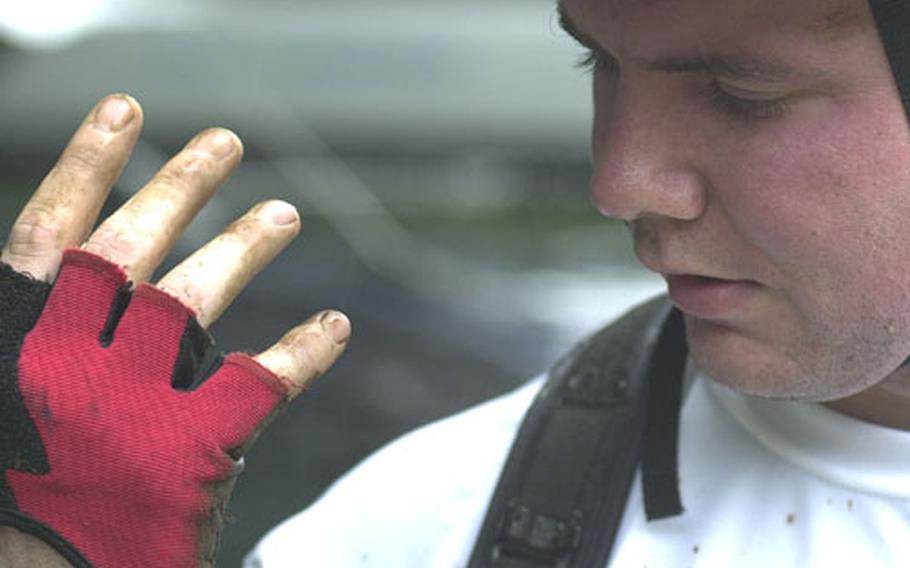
(841, 21)
(731, 66)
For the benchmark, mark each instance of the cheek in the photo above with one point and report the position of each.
(825, 199)
(824, 206)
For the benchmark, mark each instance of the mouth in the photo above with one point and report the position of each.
(707, 297)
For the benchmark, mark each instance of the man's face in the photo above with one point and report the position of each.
(760, 154)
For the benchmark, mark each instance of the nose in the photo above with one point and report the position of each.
(642, 155)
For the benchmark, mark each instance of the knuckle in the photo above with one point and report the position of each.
(35, 235)
(246, 231)
(308, 347)
(254, 241)
(115, 244)
(82, 160)
(185, 169)
(34, 248)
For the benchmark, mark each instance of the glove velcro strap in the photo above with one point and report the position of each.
(21, 300)
(28, 525)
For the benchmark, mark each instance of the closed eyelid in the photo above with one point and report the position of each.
(733, 66)
(753, 93)
(600, 59)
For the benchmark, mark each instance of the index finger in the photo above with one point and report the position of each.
(66, 204)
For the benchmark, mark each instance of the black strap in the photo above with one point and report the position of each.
(893, 20)
(660, 452)
(564, 487)
(22, 299)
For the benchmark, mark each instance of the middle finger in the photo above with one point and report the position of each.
(138, 235)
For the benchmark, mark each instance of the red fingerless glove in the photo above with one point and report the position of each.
(121, 431)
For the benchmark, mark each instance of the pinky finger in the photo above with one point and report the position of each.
(308, 350)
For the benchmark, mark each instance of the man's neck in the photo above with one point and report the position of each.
(20, 550)
(886, 404)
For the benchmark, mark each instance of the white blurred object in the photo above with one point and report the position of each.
(48, 23)
(53, 24)
(418, 76)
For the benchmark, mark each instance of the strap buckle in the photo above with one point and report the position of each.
(546, 539)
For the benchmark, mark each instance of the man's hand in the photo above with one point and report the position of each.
(122, 431)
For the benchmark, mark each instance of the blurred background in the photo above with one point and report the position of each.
(437, 151)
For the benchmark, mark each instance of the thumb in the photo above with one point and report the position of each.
(308, 350)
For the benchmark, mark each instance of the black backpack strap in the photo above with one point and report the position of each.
(563, 490)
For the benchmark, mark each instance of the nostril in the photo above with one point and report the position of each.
(672, 194)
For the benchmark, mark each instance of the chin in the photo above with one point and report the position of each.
(751, 367)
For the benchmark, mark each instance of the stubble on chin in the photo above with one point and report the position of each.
(786, 368)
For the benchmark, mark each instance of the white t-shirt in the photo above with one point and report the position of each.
(764, 483)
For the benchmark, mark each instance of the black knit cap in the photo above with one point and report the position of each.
(893, 20)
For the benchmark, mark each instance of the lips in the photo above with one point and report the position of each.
(705, 297)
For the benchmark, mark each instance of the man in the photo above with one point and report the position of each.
(759, 152)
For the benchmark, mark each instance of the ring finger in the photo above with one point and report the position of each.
(209, 279)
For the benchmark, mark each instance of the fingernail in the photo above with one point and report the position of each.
(336, 325)
(279, 212)
(219, 143)
(114, 114)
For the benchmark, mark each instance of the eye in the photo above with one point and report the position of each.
(744, 105)
(594, 61)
